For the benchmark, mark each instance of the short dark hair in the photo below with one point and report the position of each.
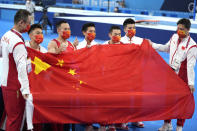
(58, 24)
(21, 15)
(33, 27)
(117, 9)
(128, 21)
(86, 25)
(114, 27)
(185, 22)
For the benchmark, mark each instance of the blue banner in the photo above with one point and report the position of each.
(166, 5)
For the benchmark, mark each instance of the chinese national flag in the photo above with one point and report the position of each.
(107, 84)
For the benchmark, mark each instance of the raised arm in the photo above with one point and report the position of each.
(161, 47)
(53, 48)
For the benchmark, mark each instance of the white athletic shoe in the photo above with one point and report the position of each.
(179, 128)
(166, 127)
(138, 124)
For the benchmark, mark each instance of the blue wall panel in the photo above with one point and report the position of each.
(144, 4)
(64, 1)
(8, 14)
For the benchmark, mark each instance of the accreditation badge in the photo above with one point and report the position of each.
(29, 67)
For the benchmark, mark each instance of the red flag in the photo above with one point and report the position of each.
(107, 84)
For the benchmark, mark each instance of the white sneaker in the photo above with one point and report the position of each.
(179, 128)
(138, 124)
(166, 127)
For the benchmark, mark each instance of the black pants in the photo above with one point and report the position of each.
(1, 104)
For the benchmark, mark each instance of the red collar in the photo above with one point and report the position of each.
(182, 40)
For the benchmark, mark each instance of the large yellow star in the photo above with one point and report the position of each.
(60, 62)
(40, 65)
(72, 72)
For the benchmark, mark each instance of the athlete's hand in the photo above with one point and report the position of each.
(63, 46)
(25, 96)
(76, 42)
(192, 89)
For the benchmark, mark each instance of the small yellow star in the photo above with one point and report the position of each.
(60, 62)
(81, 82)
(72, 72)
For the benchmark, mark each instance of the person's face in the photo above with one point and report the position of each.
(28, 1)
(34, 33)
(116, 9)
(89, 30)
(115, 32)
(182, 28)
(129, 27)
(63, 27)
(24, 25)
